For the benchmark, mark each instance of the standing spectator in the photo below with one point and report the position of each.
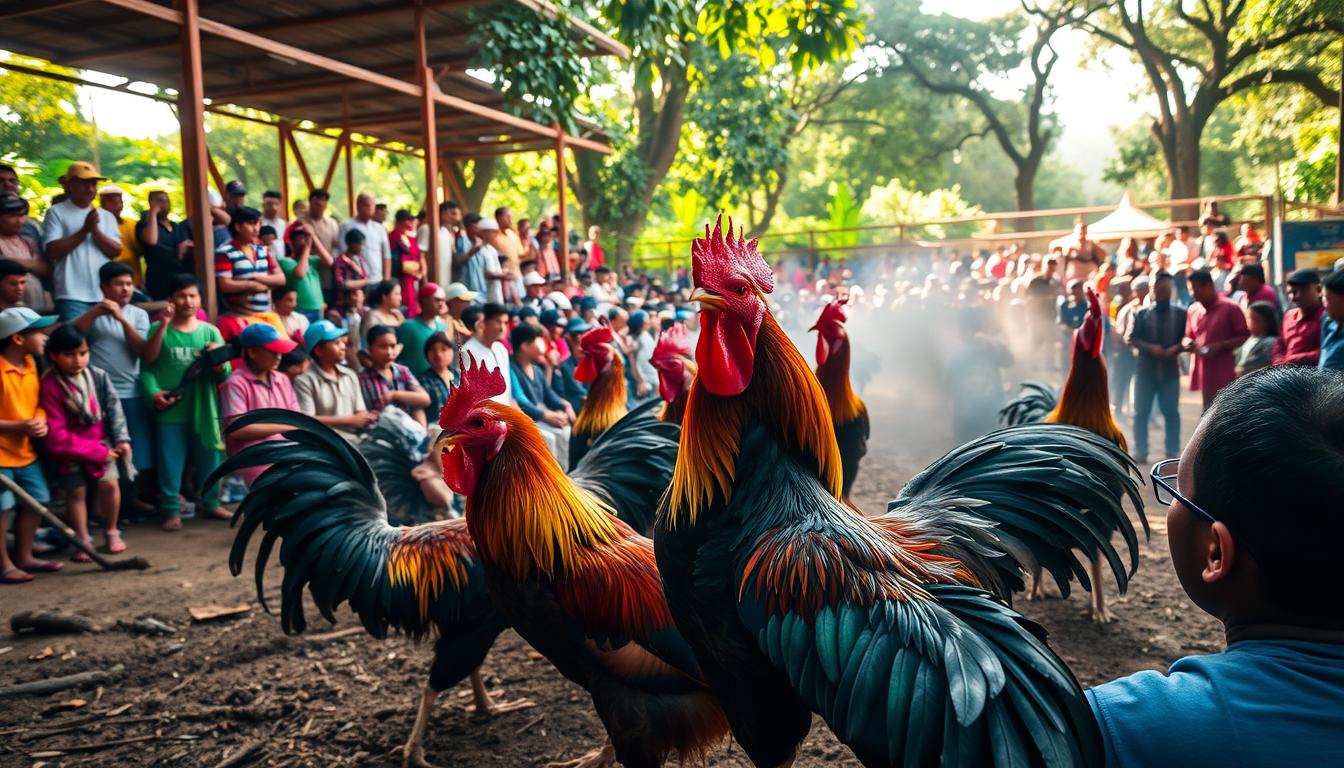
(78, 239)
(1300, 341)
(1257, 351)
(86, 434)
(117, 332)
(488, 324)
(596, 256)
(9, 185)
(470, 264)
(1042, 297)
(377, 250)
(563, 380)
(492, 268)
(408, 262)
(326, 231)
(186, 408)
(380, 214)
(1178, 250)
(1156, 333)
(509, 245)
(1214, 328)
(1252, 287)
(257, 384)
(461, 240)
(348, 270)
(22, 252)
(1249, 244)
(329, 391)
(286, 302)
(1072, 309)
(531, 250)
(641, 346)
(432, 303)
(440, 376)
(235, 194)
(166, 245)
(548, 262)
(244, 269)
(449, 216)
(1332, 325)
(386, 382)
(273, 216)
(1120, 353)
(23, 336)
(300, 271)
(112, 199)
(552, 413)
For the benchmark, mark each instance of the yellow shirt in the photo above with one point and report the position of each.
(130, 250)
(18, 402)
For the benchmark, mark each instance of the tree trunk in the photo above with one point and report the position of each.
(1183, 171)
(483, 173)
(1025, 184)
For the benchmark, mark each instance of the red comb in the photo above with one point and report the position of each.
(478, 383)
(714, 254)
(672, 343)
(593, 340)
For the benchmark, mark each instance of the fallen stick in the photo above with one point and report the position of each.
(50, 622)
(124, 564)
(243, 755)
(54, 684)
(94, 747)
(348, 631)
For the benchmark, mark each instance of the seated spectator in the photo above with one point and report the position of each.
(563, 381)
(13, 284)
(301, 272)
(294, 363)
(165, 244)
(458, 298)
(244, 269)
(427, 321)
(1257, 351)
(86, 433)
(23, 336)
(386, 382)
(1253, 523)
(286, 302)
(440, 375)
(272, 215)
(256, 384)
(489, 323)
(1332, 325)
(557, 349)
(78, 239)
(384, 300)
(116, 331)
(21, 256)
(329, 391)
(552, 413)
(186, 407)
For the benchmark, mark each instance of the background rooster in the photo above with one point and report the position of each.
(794, 603)
(676, 371)
(1032, 403)
(848, 413)
(600, 367)
(321, 499)
(576, 582)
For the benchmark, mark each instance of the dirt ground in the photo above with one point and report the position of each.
(196, 697)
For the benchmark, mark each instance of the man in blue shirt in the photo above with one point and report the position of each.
(1332, 324)
(1254, 525)
(534, 394)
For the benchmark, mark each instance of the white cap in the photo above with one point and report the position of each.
(560, 300)
(487, 225)
(533, 278)
(110, 189)
(458, 291)
(213, 197)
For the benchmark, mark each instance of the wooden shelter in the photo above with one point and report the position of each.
(394, 70)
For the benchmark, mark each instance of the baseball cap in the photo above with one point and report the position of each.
(82, 170)
(560, 300)
(431, 289)
(19, 319)
(235, 187)
(527, 312)
(1305, 277)
(110, 189)
(11, 203)
(213, 199)
(587, 303)
(322, 330)
(578, 325)
(488, 225)
(458, 291)
(533, 278)
(551, 318)
(265, 336)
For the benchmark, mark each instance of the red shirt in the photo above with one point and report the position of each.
(1210, 325)
(1299, 343)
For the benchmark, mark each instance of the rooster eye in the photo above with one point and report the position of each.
(741, 290)
(478, 423)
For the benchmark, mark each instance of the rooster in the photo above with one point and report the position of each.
(321, 499)
(1032, 403)
(1085, 402)
(794, 603)
(600, 367)
(848, 413)
(676, 371)
(574, 580)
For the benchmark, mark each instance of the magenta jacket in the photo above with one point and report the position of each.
(67, 439)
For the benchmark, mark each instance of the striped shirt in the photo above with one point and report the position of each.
(232, 260)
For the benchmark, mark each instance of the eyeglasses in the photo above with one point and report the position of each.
(1165, 476)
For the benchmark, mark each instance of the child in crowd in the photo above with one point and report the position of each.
(86, 435)
(329, 390)
(351, 318)
(441, 376)
(267, 235)
(300, 265)
(1253, 524)
(186, 410)
(294, 363)
(23, 335)
(385, 381)
(385, 303)
(254, 385)
(286, 301)
(348, 272)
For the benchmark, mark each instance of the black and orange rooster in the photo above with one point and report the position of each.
(794, 603)
(1084, 402)
(600, 367)
(676, 370)
(577, 583)
(320, 499)
(848, 413)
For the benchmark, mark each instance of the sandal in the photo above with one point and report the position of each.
(80, 556)
(15, 575)
(172, 524)
(43, 566)
(221, 513)
(114, 542)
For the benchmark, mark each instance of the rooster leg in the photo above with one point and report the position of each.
(413, 754)
(598, 758)
(485, 706)
(1099, 613)
(1037, 591)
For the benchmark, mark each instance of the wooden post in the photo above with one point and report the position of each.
(563, 235)
(1339, 154)
(349, 161)
(283, 128)
(191, 116)
(429, 141)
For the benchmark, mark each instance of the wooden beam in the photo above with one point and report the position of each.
(602, 40)
(303, 166)
(283, 129)
(214, 171)
(428, 141)
(331, 165)
(191, 115)
(29, 7)
(560, 170)
(349, 161)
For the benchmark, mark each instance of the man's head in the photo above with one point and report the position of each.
(1076, 291)
(112, 199)
(235, 194)
(458, 298)
(244, 224)
(159, 200)
(380, 213)
(504, 217)
(364, 204)
(300, 208)
(594, 233)
(1141, 286)
(433, 302)
(9, 179)
(1265, 463)
(1179, 234)
(325, 342)
(354, 242)
(1304, 289)
(439, 352)
(317, 203)
(404, 220)
(1080, 229)
(117, 281)
(525, 338)
(1162, 286)
(1334, 295)
(1252, 278)
(494, 321)
(184, 294)
(487, 230)
(81, 183)
(13, 210)
(1202, 288)
(263, 346)
(13, 283)
(618, 319)
(285, 299)
(272, 205)
(451, 213)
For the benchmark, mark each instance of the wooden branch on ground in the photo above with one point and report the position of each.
(244, 754)
(54, 684)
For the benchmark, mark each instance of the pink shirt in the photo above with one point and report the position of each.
(1210, 325)
(245, 391)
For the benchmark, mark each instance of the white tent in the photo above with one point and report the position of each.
(1126, 220)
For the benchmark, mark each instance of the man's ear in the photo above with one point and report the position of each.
(1220, 555)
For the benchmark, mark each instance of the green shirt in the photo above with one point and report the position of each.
(180, 350)
(309, 287)
(412, 335)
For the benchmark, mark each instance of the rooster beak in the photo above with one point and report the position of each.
(707, 300)
(446, 442)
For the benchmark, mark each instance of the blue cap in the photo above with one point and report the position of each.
(527, 312)
(265, 336)
(19, 319)
(684, 314)
(551, 318)
(578, 325)
(587, 303)
(322, 330)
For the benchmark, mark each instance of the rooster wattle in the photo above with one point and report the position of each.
(676, 370)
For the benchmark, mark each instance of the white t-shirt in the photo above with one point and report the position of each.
(279, 224)
(76, 274)
(494, 289)
(443, 274)
(496, 357)
(377, 249)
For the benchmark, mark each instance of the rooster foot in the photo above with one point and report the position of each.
(492, 707)
(1102, 616)
(413, 756)
(598, 758)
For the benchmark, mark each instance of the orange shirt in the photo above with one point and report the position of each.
(18, 402)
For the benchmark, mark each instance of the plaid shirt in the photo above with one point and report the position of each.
(346, 269)
(375, 387)
(438, 392)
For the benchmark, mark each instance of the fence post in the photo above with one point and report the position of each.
(814, 257)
